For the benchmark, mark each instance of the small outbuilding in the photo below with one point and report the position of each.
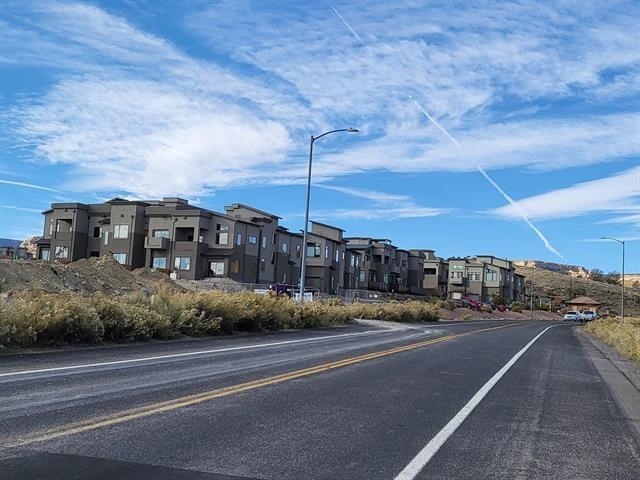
(583, 303)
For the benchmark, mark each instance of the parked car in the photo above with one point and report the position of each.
(588, 315)
(572, 316)
(474, 304)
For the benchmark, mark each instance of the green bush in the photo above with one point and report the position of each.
(518, 307)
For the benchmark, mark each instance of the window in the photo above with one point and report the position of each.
(273, 258)
(252, 239)
(263, 265)
(337, 256)
(50, 229)
(159, 262)
(404, 263)
(94, 253)
(491, 275)
(216, 267)
(363, 276)
(182, 263)
(285, 248)
(474, 276)
(121, 231)
(377, 259)
(313, 249)
(222, 234)
(456, 267)
(264, 242)
(326, 251)
(239, 239)
(353, 260)
(298, 248)
(121, 258)
(235, 266)
(161, 233)
(62, 252)
(429, 271)
(456, 275)
(275, 239)
(44, 254)
(385, 278)
(96, 232)
(106, 237)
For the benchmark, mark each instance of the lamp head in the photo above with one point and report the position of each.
(352, 130)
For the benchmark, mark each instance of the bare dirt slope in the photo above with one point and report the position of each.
(102, 274)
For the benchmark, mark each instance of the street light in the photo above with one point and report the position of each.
(306, 213)
(621, 242)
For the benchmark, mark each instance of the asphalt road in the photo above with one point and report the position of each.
(442, 401)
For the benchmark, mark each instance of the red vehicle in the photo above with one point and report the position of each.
(474, 304)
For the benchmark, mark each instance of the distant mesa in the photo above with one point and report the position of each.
(575, 271)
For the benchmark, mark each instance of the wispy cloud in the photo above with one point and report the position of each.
(28, 185)
(618, 193)
(21, 209)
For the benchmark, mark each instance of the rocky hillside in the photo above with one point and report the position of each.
(575, 271)
(563, 287)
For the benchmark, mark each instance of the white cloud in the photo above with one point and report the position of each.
(28, 185)
(618, 193)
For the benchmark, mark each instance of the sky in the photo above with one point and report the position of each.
(485, 128)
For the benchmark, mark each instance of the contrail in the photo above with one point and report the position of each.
(29, 185)
(346, 24)
(506, 196)
(522, 212)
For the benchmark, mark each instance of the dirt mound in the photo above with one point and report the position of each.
(86, 276)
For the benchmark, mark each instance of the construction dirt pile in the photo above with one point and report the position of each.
(86, 276)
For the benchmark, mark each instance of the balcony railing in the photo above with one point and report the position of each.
(160, 243)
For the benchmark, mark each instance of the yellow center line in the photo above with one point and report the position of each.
(189, 400)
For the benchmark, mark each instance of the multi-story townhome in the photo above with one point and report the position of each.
(325, 258)
(436, 274)
(483, 278)
(400, 271)
(377, 263)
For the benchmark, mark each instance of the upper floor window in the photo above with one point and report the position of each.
(298, 248)
(159, 262)
(161, 233)
(121, 231)
(238, 239)
(313, 249)
(222, 234)
(182, 263)
(337, 256)
(285, 248)
(430, 271)
(252, 239)
(264, 242)
(491, 275)
(456, 275)
(473, 276)
(326, 251)
(61, 252)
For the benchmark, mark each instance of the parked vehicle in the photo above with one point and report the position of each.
(588, 315)
(474, 304)
(572, 316)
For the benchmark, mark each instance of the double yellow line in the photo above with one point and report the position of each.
(189, 400)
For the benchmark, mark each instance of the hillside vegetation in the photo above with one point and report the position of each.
(562, 288)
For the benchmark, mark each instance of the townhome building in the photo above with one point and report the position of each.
(484, 278)
(325, 258)
(436, 274)
(378, 263)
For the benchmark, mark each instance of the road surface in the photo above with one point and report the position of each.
(453, 400)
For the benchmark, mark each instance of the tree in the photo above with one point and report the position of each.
(614, 278)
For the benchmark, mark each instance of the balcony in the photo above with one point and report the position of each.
(159, 243)
(456, 281)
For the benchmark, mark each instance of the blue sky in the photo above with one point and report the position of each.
(504, 128)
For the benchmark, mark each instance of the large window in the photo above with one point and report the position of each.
(456, 275)
(217, 267)
(159, 262)
(491, 275)
(61, 252)
(121, 258)
(121, 231)
(222, 234)
(313, 249)
(161, 233)
(473, 276)
(182, 263)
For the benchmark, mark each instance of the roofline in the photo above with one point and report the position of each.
(327, 225)
(254, 209)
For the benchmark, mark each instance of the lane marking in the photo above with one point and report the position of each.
(189, 400)
(187, 354)
(422, 458)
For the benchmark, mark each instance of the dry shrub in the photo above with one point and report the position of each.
(623, 336)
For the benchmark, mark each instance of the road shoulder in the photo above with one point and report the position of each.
(621, 375)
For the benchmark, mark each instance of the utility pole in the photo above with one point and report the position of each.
(533, 272)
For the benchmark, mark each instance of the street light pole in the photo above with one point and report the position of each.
(303, 264)
(621, 242)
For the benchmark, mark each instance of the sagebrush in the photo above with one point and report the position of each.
(38, 318)
(624, 336)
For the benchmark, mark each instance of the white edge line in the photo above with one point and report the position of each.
(422, 458)
(187, 354)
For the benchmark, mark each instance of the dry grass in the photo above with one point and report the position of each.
(623, 336)
(39, 318)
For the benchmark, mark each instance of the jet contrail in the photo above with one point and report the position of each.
(29, 185)
(346, 24)
(508, 198)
